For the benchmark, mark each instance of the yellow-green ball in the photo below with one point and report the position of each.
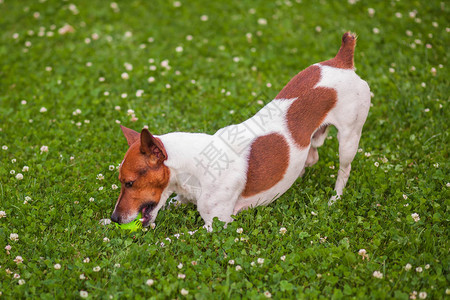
(133, 225)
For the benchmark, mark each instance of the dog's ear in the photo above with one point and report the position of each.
(131, 135)
(152, 147)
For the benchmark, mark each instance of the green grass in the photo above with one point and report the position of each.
(406, 135)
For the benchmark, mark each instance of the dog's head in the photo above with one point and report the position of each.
(143, 177)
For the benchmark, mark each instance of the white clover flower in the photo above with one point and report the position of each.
(57, 266)
(19, 176)
(260, 261)
(125, 76)
(128, 66)
(43, 110)
(238, 268)
(100, 176)
(180, 266)
(82, 276)
(262, 21)
(283, 258)
(176, 4)
(415, 217)
(179, 49)
(25, 169)
(96, 269)
(151, 79)
(18, 260)
(377, 274)
(371, 11)
(313, 213)
(8, 247)
(111, 167)
(362, 252)
(139, 93)
(267, 294)
(44, 149)
(405, 196)
(283, 230)
(4, 147)
(84, 294)
(204, 18)
(184, 292)
(408, 267)
(149, 282)
(423, 295)
(376, 164)
(2, 214)
(231, 262)
(105, 239)
(22, 282)
(181, 276)
(239, 230)
(376, 30)
(419, 269)
(114, 187)
(427, 266)
(86, 260)
(14, 237)
(165, 64)
(91, 199)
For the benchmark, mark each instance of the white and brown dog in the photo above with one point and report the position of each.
(254, 162)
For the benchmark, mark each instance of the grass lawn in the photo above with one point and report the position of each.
(72, 71)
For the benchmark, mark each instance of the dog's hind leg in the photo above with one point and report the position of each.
(348, 146)
(316, 141)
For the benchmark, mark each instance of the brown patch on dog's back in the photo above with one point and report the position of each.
(267, 163)
(307, 113)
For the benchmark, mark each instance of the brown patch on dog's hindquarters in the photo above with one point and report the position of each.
(344, 58)
(267, 163)
(310, 108)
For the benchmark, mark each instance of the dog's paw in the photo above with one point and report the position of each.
(175, 202)
(333, 199)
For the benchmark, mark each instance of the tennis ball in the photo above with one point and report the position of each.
(133, 225)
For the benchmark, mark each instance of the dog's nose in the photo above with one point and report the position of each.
(116, 218)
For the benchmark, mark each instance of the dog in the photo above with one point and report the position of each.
(254, 162)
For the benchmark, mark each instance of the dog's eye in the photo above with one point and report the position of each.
(129, 184)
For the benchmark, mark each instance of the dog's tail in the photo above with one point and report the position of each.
(344, 58)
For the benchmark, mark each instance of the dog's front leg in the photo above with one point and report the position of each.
(177, 201)
(217, 204)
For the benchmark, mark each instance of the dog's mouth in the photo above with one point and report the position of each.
(146, 210)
